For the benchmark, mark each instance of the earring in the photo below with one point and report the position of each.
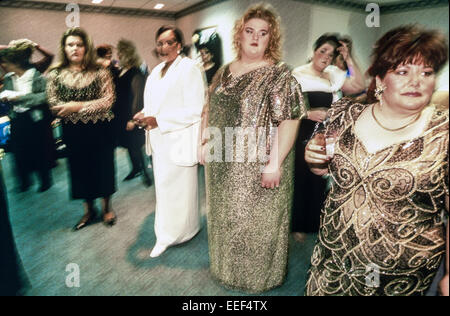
(378, 92)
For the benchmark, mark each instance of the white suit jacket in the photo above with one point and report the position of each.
(176, 101)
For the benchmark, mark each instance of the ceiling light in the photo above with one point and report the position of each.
(97, 1)
(159, 6)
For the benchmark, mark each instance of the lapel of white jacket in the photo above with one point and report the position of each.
(164, 85)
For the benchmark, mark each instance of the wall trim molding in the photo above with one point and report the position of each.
(395, 7)
(412, 5)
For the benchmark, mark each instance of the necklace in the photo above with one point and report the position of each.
(394, 129)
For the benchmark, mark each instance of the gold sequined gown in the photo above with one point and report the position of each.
(382, 230)
(248, 225)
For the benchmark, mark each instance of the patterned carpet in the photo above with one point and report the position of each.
(115, 261)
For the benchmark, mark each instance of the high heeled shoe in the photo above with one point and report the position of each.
(109, 221)
(132, 175)
(86, 220)
(146, 180)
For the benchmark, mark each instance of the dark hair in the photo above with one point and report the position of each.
(178, 36)
(403, 45)
(204, 46)
(89, 54)
(328, 38)
(103, 50)
(20, 57)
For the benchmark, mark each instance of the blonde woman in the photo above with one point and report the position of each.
(249, 201)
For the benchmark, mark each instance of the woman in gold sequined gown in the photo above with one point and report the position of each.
(382, 229)
(249, 200)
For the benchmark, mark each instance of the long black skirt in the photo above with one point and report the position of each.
(90, 153)
(309, 189)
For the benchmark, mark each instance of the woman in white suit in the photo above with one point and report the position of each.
(173, 100)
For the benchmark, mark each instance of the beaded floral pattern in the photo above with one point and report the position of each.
(94, 88)
(382, 230)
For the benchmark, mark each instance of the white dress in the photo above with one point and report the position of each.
(313, 83)
(176, 101)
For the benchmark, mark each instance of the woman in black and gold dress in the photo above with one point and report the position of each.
(381, 229)
(82, 95)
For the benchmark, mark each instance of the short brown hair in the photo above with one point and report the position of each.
(267, 13)
(407, 44)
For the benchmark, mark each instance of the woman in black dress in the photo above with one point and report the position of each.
(82, 96)
(321, 83)
(129, 101)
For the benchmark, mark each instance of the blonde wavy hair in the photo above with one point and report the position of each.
(130, 57)
(267, 13)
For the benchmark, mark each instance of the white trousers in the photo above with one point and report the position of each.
(177, 217)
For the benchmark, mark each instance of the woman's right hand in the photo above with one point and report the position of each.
(201, 153)
(316, 155)
(317, 115)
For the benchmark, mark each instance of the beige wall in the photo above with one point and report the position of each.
(46, 27)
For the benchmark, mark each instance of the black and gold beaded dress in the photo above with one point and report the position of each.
(382, 230)
(248, 226)
(87, 133)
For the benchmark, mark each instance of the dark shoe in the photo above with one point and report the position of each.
(44, 187)
(146, 180)
(85, 221)
(109, 220)
(23, 189)
(132, 175)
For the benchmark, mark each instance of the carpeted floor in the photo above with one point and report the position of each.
(115, 261)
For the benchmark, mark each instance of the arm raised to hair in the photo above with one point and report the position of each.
(355, 83)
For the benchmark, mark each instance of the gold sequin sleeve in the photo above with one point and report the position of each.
(286, 99)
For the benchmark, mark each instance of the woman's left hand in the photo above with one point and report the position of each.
(66, 109)
(271, 177)
(443, 286)
(343, 50)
